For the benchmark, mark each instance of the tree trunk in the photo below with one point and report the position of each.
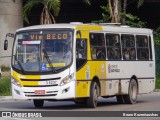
(116, 12)
(124, 12)
(46, 16)
(110, 8)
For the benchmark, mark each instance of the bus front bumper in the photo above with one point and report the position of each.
(53, 92)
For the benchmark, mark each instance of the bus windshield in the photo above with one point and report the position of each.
(42, 51)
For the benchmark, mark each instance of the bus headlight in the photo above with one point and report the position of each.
(67, 79)
(15, 82)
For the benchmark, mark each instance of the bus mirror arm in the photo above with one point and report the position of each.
(6, 41)
(79, 33)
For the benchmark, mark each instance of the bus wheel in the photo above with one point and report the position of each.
(94, 93)
(38, 103)
(131, 98)
(120, 99)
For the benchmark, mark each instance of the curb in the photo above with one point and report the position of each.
(3, 98)
(156, 90)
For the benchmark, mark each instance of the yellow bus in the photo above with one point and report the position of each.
(82, 62)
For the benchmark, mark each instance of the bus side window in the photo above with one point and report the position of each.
(128, 47)
(81, 49)
(142, 47)
(97, 42)
(81, 52)
(113, 46)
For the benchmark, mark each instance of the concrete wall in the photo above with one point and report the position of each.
(10, 20)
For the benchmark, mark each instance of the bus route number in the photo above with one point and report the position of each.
(51, 82)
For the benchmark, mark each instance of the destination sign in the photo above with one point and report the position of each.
(50, 36)
(56, 36)
(36, 36)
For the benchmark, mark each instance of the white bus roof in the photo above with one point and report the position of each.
(105, 28)
(48, 26)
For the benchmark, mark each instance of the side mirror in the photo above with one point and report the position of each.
(5, 44)
(6, 41)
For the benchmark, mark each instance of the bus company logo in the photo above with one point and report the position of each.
(109, 68)
(113, 68)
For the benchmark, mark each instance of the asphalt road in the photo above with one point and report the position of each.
(145, 102)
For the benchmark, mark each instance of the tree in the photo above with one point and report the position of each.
(46, 16)
(114, 11)
(139, 4)
(87, 2)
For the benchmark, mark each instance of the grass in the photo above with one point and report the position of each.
(5, 68)
(158, 82)
(5, 86)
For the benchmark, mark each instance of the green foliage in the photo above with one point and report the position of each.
(5, 86)
(134, 21)
(27, 8)
(140, 3)
(88, 2)
(5, 68)
(105, 15)
(131, 20)
(157, 36)
(158, 82)
(52, 5)
(157, 53)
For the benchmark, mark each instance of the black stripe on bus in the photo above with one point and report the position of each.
(109, 79)
(41, 79)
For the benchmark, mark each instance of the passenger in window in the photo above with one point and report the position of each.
(145, 42)
(126, 55)
(116, 53)
(132, 54)
(79, 55)
(100, 54)
(144, 54)
(81, 49)
(113, 53)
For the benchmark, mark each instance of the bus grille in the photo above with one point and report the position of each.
(40, 85)
(39, 80)
(49, 93)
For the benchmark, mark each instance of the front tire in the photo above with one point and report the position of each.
(131, 98)
(94, 93)
(38, 103)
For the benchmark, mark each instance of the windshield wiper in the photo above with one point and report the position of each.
(49, 61)
(20, 65)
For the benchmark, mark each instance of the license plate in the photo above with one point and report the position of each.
(39, 92)
(51, 82)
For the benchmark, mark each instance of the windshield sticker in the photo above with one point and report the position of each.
(57, 65)
(43, 67)
(31, 42)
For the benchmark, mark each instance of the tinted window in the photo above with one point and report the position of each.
(128, 47)
(142, 44)
(98, 46)
(113, 46)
